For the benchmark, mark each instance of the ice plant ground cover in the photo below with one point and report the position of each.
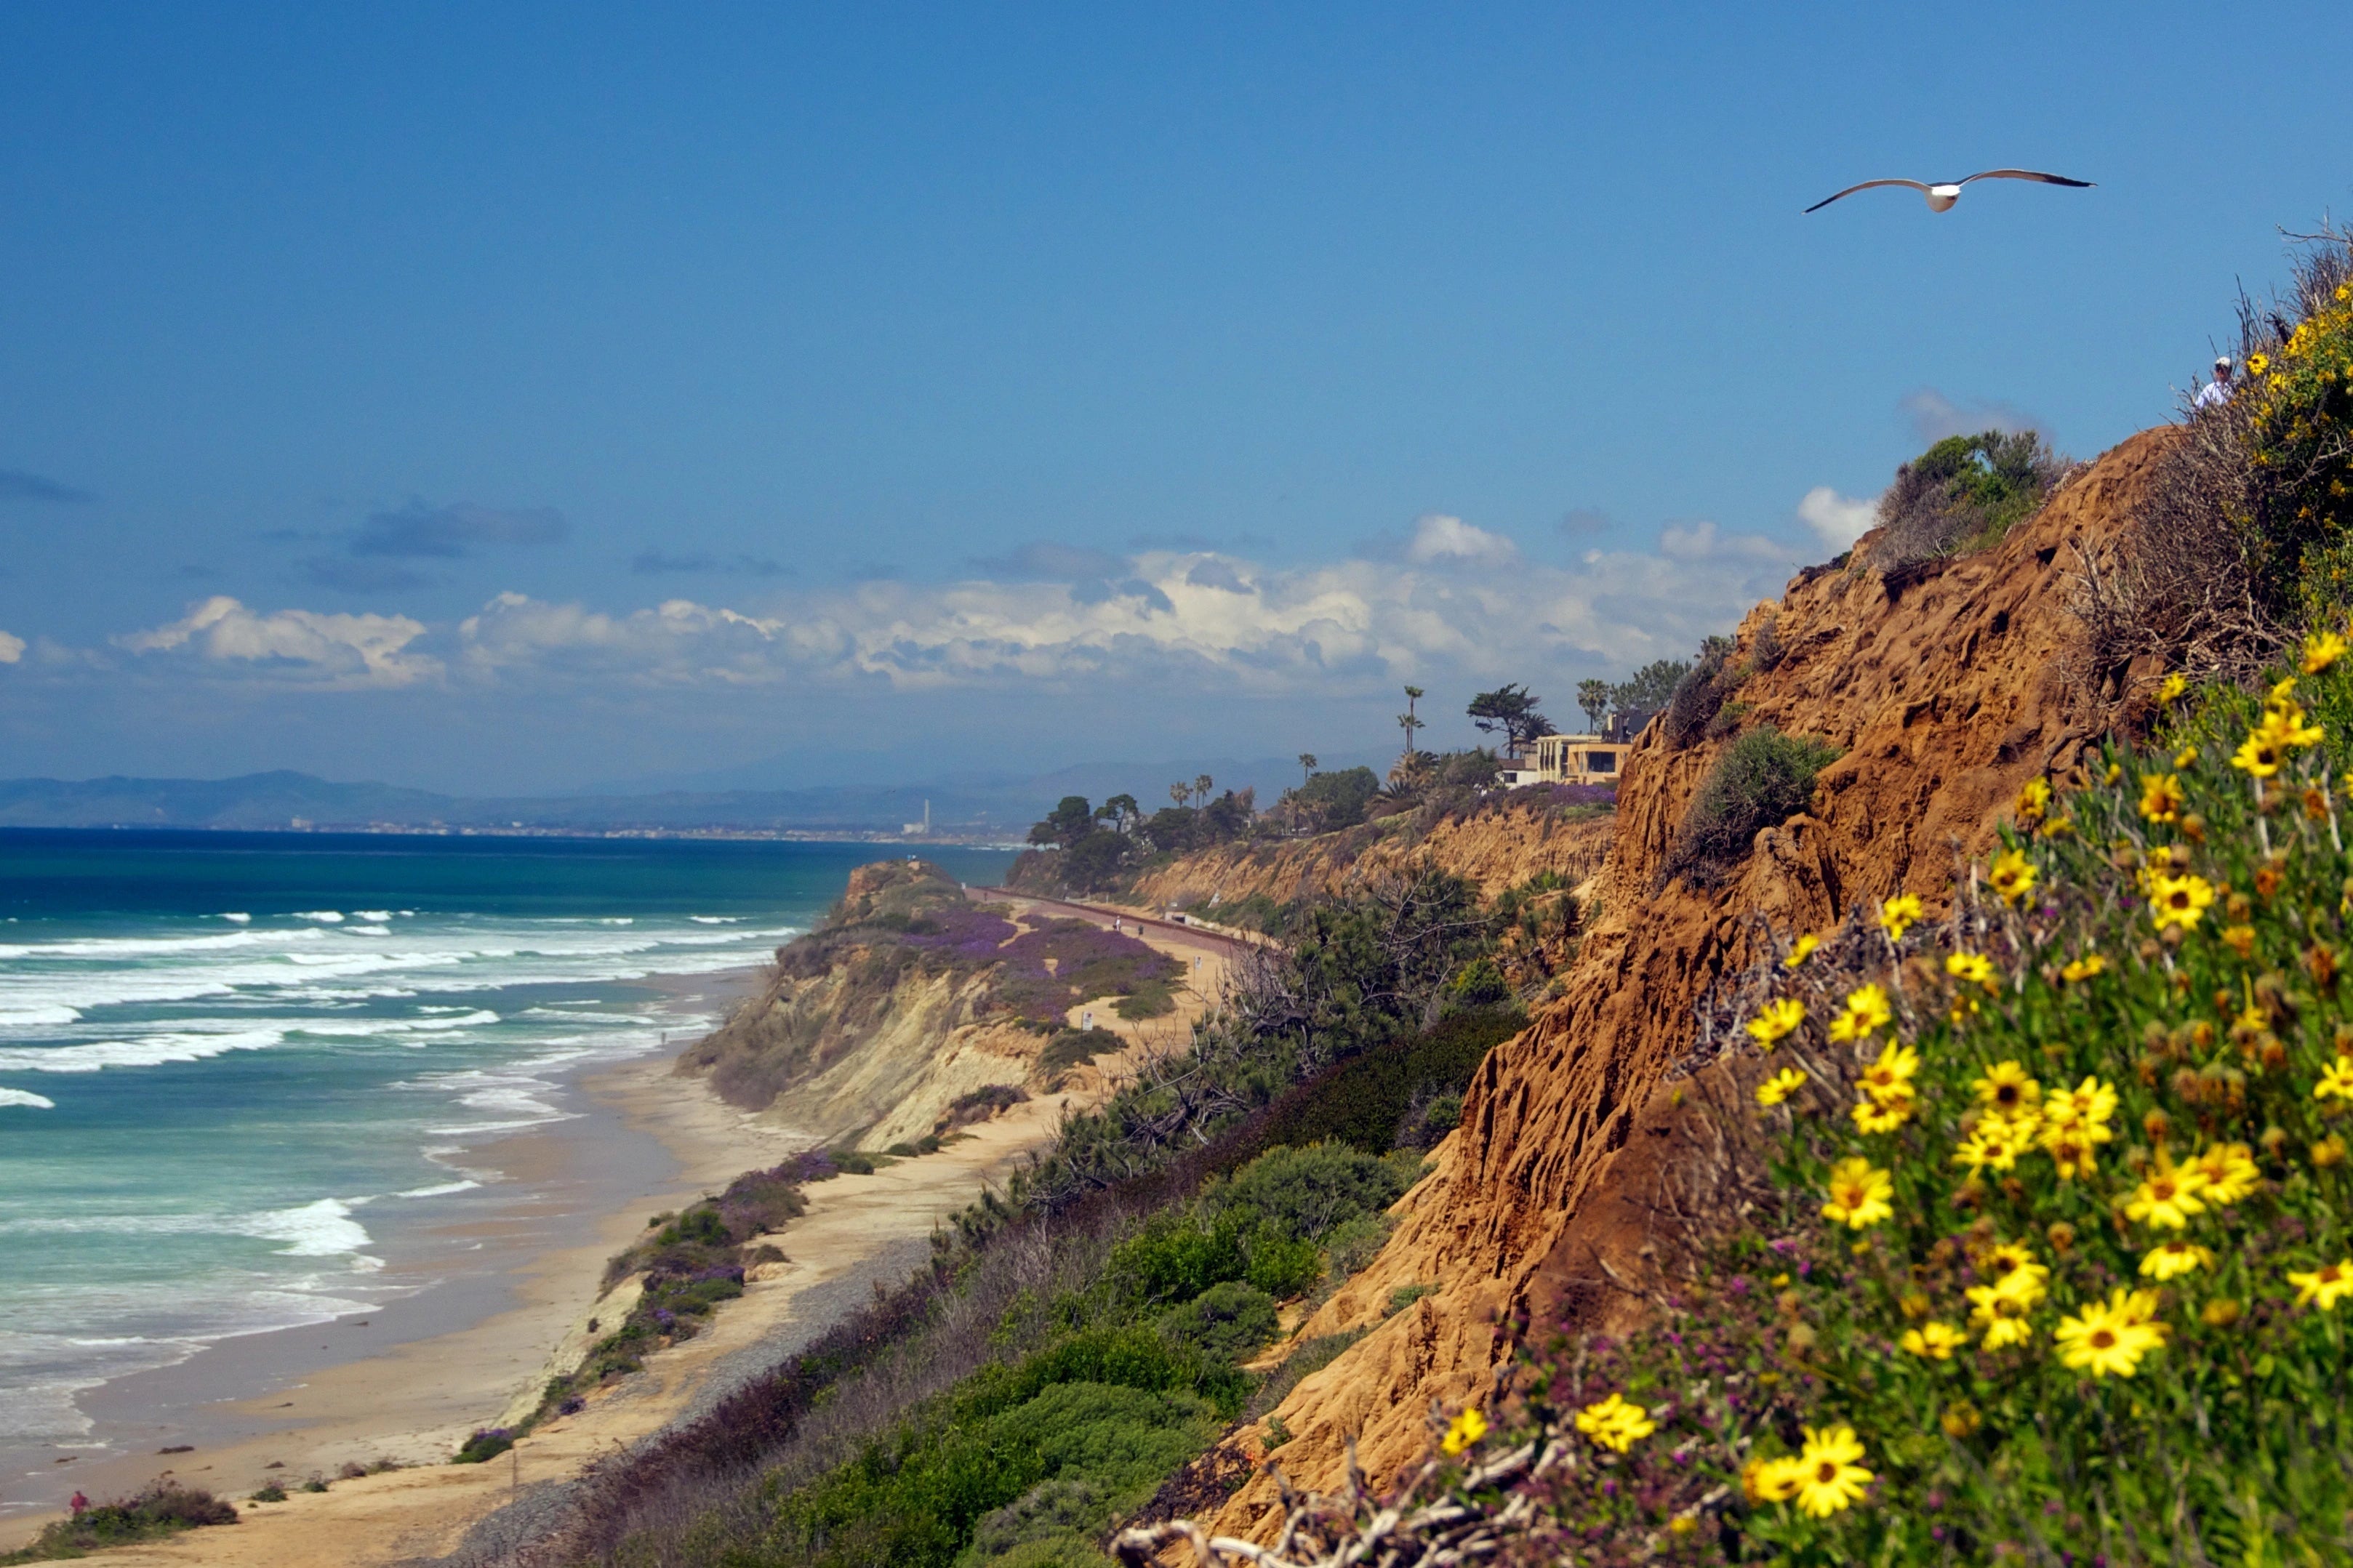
(2052, 1258)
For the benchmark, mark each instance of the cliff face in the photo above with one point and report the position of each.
(1497, 848)
(908, 999)
(1944, 696)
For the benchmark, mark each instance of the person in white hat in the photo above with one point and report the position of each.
(2217, 392)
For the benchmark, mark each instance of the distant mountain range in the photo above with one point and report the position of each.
(983, 807)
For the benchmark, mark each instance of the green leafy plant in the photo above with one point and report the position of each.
(1762, 780)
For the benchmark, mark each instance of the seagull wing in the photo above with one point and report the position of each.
(2027, 174)
(1867, 185)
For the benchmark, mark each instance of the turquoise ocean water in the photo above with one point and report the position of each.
(232, 1066)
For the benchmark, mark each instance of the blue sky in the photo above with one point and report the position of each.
(515, 397)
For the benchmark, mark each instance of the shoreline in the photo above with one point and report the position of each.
(494, 1288)
(858, 1234)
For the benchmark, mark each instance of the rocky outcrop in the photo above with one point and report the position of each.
(1498, 846)
(1945, 690)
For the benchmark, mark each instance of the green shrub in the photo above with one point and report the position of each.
(1312, 1356)
(1405, 1296)
(486, 1443)
(1150, 999)
(1226, 1322)
(1762, 780)
(1354, 1242)
(165, 1508)
(1306, 1193)
(1064, 1515)
(1371, 1100)
(270, 1491)
(1282, 1267)
(1175, 1256)
(1963, 494)
(1479, 983)
(1070, 1047)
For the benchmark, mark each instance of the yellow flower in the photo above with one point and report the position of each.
(2083, 1111)
(2281, 698)
(2011, 876)
(1770, 1480)
(2005, 1256)
(2008, 1089)
(1829, 1480)
(1866, 1010)
(2167, 1196)
(2262, 753)
(1892, 1074)
(1614, 1424)
(1882, 1113)
(1780, 1087)
(2322, 649)
(2324, 1287)
(2033, 800)
(2083, 968)
(2184, 757)
(1999, 1309)
(1934, 1342)
(1973, 968)
(1776, 1019)
(1859, 1193)
(2180, 900)
(2258, 364)
(2167, 1259)
(2071, 1153)
(1801, 950)
(2161, 799)
(2172, 687)
(2230, 1171)
(1470, 1427)
(2108, 1341)
(1899, 914)
(2336, 1080)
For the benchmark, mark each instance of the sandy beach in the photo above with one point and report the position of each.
(415, 1401)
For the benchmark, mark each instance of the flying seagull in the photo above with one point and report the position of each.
(1942, 196)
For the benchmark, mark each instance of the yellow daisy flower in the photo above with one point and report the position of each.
(2322, 649)
(2170, 1260)
(2161, 799)
(1801, 950)
(2106, 1342)
(1776, 1020)
(1866, 1011)
(1780, 1087)
(1990, 1146)
(1614, 1424)
(2325, 1286)
(1882, 1113)
(2262, 753)
(2012, 875)
(2172, 687)
(2336, 1080)
(1829, 1478)
(1972, 968)
(2004, 1256)
(1998, 1311)
(2180, 900)
(2083, 968)
(1770, 1480)
(2230, 1171)
(2010, 1089)
(1470, 1427)
(2167, 1196)
(1859, 1193)
(1900, 914)
(1934, 1342)
(1892, 1072)
(2033, 800)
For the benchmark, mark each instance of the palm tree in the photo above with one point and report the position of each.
(1407, 720)
(1306, 768)
(1202, 786)
(1181, 792)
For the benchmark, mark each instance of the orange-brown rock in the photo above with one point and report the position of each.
(1944, 697)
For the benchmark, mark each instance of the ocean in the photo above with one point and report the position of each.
(234, 1067)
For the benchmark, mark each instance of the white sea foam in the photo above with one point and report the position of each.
(379, 916)
(324, 917)
(321, 1229)
(238, 916)
(442, 1191)
(27, 1099)
(142, 1051)
(716, 920)
(368, 931)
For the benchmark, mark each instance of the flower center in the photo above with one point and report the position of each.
(2102, 1339)
(2161, 1191)
(1826, 1472)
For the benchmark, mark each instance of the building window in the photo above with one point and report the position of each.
(1602, 762)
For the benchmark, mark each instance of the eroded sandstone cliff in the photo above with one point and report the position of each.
(1943, 688)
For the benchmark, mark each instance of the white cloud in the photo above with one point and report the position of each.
(1837, 520)
(1437, 537)
(12, 649)
(299, 645)
(1702, 540)
(1934, 416)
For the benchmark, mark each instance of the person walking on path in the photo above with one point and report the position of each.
(79, 1504)
(2217, 392)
